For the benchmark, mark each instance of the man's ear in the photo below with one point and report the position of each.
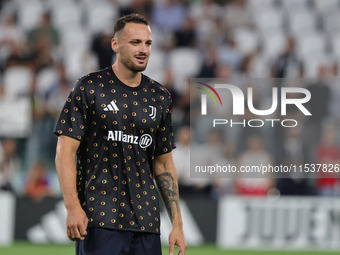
(114, 44)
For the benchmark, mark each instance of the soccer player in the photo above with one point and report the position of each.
(114, 143)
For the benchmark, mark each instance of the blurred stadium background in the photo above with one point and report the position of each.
(45, 45)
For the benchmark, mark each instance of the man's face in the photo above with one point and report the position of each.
(133, 46)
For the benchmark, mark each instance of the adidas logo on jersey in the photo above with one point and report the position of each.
(111, 107)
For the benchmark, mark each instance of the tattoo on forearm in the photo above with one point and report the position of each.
(169, 192)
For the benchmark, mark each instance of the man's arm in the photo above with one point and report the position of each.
(166, 179)
(67, 173)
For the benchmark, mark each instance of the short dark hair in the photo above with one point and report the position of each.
(131, 18)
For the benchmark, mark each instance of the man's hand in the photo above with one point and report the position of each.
(166, 179)
(76, 224)
(176, 237)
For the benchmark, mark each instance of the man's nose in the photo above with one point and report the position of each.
(144, 48)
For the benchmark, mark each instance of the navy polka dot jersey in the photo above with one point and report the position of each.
(121, 130)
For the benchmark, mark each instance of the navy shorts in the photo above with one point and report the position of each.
(101, 241)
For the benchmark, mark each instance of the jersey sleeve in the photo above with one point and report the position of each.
(73, 118)
(164, 135)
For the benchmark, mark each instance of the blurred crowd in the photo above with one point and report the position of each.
(45, 45)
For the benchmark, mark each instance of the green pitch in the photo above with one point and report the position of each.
(31, 249)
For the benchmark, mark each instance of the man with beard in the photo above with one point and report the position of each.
(116, 125)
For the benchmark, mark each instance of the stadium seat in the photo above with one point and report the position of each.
(294, 5)
(160, 37)
(67, 15)
(17, 81)
(79, 62)
(335, 44)
(269, 20)
(302, 22)
(311, 44)
(326, 6)
(246, 40)
(331, 23)
(185, 63)
(75, 38)
(29, 13)
(100, 16)
(125, 3)
(311, 64)
(156, 66)
(260, 67)
(20, 3)
(56, 3)
(46, 78)
(273, 44)
(255, 5)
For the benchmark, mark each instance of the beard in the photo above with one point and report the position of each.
(135, 68)
(129, 64)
